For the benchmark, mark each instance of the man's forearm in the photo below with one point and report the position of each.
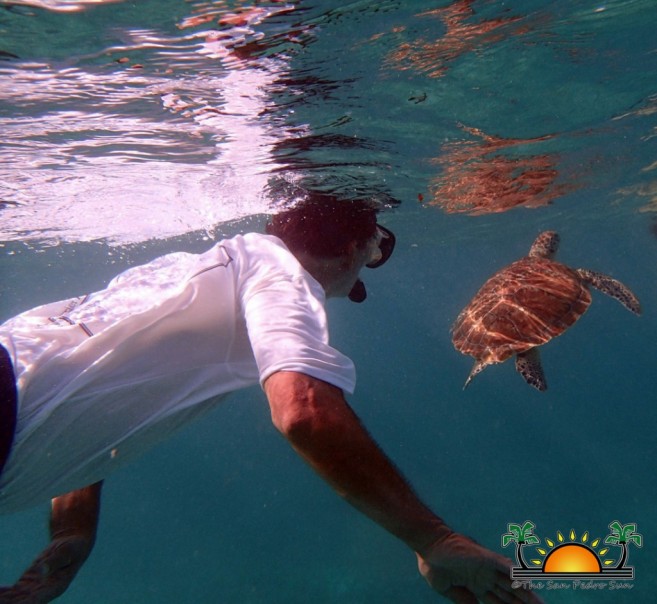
(330, 437)
(347, 457)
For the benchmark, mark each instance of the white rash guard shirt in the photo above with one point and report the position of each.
(103, 377)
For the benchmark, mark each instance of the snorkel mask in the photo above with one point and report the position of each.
(358, 292)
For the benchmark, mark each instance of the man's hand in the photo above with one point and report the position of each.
(466, 573)
(50, 574)
(73, 523)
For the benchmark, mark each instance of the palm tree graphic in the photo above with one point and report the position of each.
(623, 535)
(521, 536)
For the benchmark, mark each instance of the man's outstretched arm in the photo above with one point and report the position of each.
(73, 524)
(317, 421)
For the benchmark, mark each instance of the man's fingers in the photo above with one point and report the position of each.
(460, 595)
(509, 595)
(505, 590)
(13, 595)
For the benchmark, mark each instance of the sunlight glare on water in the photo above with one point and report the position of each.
(110, 142)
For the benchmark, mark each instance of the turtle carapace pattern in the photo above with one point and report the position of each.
(527, 304)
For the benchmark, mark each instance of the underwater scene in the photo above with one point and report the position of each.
(131, 129)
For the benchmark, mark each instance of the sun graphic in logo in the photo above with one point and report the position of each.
(572, 557)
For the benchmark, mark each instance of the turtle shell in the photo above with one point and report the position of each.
(522, 306)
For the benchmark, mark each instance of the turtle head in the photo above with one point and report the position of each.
(545, 246)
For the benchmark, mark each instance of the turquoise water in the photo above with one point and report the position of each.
(131, 129)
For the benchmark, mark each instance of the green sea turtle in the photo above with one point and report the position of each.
(527, 304)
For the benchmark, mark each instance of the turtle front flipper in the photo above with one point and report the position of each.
(612, 288)
(528, 365)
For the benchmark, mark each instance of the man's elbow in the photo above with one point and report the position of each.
(303, 421)
(305, 410)
(295, 425)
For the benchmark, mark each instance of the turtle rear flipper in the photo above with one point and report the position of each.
(478, 366)
(613, 288)
(528, 365)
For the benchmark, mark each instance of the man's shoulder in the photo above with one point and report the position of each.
(264, 261)
(255, 240)
(258, 249)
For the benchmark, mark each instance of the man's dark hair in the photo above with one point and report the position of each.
(323, 225)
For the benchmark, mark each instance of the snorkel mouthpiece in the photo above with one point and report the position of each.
(358, 292)
(386, 246)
